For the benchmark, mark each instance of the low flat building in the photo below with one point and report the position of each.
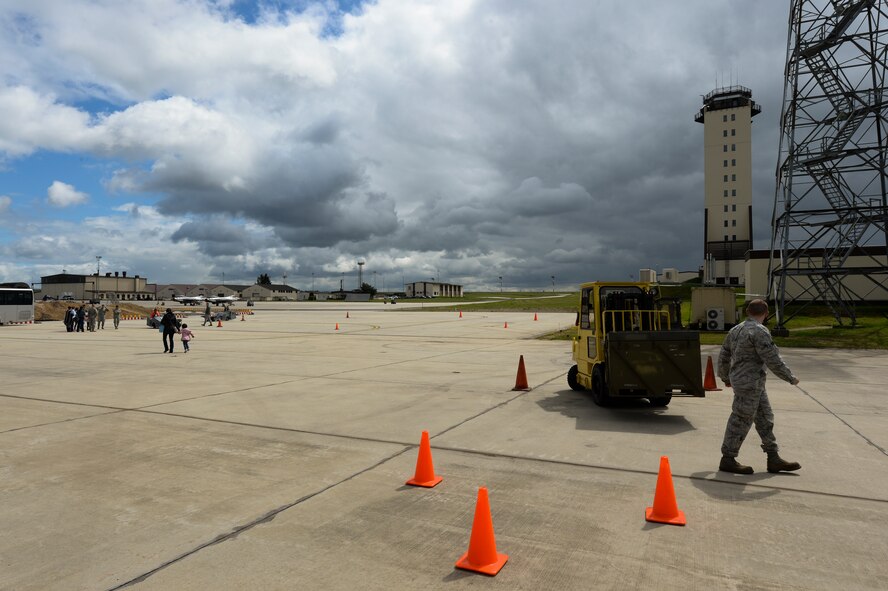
(168, 292)
(115, 286)
(221, 291)
(859, 287)
(270, 293)
(433, 289)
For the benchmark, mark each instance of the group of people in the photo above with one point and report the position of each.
(170, 326)
(89, 317)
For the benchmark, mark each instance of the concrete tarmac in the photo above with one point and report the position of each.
(274, 456)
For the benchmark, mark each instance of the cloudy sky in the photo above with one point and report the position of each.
(458, 139)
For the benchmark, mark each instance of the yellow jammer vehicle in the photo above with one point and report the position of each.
(630, 344)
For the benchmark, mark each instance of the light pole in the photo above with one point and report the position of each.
(553, 284)
(374, 278)
(285, 282)
(360, 274)
(98, 272)
(501, 283)
(312, 281)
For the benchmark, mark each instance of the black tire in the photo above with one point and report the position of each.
(572, 379)
(661, 401)
(599, 388)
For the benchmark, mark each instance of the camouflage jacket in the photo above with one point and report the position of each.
(747, 349)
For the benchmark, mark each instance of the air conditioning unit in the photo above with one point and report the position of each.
(715, 319)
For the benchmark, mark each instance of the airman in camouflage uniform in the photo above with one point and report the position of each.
(747, 349)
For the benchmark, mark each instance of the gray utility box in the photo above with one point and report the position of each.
(713, 308)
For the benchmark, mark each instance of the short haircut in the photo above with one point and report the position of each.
(757, 308)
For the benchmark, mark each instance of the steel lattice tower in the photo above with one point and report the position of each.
(830, 202)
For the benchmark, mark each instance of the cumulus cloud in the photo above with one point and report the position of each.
(429, 138)
(32, 120)
(62, 194)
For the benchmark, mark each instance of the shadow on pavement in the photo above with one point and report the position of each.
(459, 575)
(732, 487)
(624, 416)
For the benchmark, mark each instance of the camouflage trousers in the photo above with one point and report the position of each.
(751, 406)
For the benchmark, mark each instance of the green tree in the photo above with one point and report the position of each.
(263, 279)
(367, 288)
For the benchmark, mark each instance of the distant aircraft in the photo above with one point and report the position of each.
(223, 299)
(189, 300)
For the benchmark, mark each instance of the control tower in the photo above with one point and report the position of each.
(726, 116)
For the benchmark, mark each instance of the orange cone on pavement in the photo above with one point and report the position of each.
(460, 313)
(482, 556)
(665, 509)
(337, 326)
(219, 325)
(535, 317)
(709, 381)
(425, 471)
(521, 378)
(505, 325)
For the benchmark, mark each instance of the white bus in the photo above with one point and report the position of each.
(16, 303)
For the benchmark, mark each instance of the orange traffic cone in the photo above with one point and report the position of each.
(482, 556)
(425, 471)
(337, 326)
(665, 509)
(709, 381)
(505, 325)
(219, 325)
(521, 378)
(460, 313)
(535, 317)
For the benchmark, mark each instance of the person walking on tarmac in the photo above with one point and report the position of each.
(91, 315)
(208, 315)
(747, 349)
(170, 328)
(81, 318)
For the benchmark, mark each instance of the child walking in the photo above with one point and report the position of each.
(187, 335)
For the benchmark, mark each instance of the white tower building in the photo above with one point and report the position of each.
(726, 116)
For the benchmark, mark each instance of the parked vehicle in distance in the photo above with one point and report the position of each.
(16, 303)
(225, 315)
